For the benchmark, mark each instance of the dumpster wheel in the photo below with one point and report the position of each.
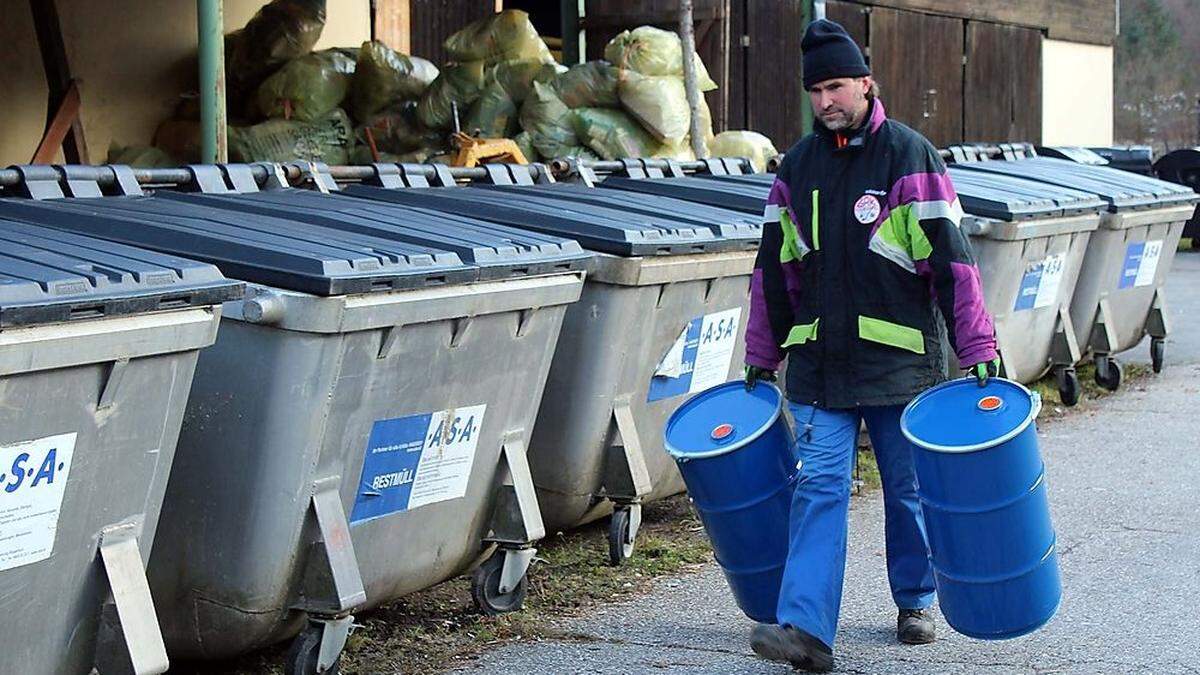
(1068, 386)
(620, 544)
(1109, 373)
(1158, 348)
(485, 588)
(302, 655)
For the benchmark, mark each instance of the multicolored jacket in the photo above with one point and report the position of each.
(861, 248)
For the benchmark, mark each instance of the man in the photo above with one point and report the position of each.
(861, 244)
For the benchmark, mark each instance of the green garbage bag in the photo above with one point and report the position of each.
(307, 88)
(328, 140)
(397, 131)
(361, 154)
(751, 144)
(550, 123)
(659, 103)
(281, 31)
(140, 156)
(679, 150)
(517, 77)
(460, 83)
(653, 51)
(589, 85)
(384, 76)
(508, 35)
(524, 141)
(613, 134)
(494, 113)
(576, 151)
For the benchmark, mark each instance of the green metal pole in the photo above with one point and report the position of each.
(806, 112)
(210, 19)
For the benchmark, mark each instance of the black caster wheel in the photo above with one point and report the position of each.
(485, 588)
(620, 548)
(302, 656)
(1158, 348)
(1109, 374)
(1068, 386)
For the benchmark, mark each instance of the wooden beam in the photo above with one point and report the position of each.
(393, 24)
(58, 128)
(58, 78)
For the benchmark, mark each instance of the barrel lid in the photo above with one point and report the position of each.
(961, 416)
(722, 419)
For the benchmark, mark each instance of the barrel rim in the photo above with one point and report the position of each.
(683, 456)
(1034, 410)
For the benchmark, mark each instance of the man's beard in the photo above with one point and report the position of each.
(842, 120)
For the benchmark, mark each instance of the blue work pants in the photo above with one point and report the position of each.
(811, 594)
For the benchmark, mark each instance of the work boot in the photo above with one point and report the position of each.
(914, 627)
(790, 645)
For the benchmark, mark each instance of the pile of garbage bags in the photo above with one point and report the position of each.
(341, 106)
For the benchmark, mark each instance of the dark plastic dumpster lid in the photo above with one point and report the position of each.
(1073, 153)
(730, 195)
(1135, 158)
(50, 276)
(608, 231)
(767, 179)
(1120, 189)
(721, 419)
(987, 195)
(725, 223)
(498, 250)
(961, 416)
(1004, 197)
(272, 251)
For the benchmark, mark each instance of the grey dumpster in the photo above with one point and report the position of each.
(1118, 299)
(358, 431)
(662, 315)
(98, 344)
(1029, 241)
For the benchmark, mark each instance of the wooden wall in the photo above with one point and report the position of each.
(1089, 21)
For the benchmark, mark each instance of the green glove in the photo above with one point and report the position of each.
(754, 374)
(982, 371)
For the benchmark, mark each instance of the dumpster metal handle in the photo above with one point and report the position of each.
(264, 308)
(131, 594)
(332, 582)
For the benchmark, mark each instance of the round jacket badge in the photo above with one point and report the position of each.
(867, 209)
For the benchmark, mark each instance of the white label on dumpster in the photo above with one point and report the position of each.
(33, 477)
(1141, 263)
(417, 460)
(1039, 286)
(699, 358)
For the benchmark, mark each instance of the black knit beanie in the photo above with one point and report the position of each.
(830, 53)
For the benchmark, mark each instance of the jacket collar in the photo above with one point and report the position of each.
(876, 116)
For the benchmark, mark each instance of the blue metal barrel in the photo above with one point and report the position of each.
(738, 459)
(982, 487)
